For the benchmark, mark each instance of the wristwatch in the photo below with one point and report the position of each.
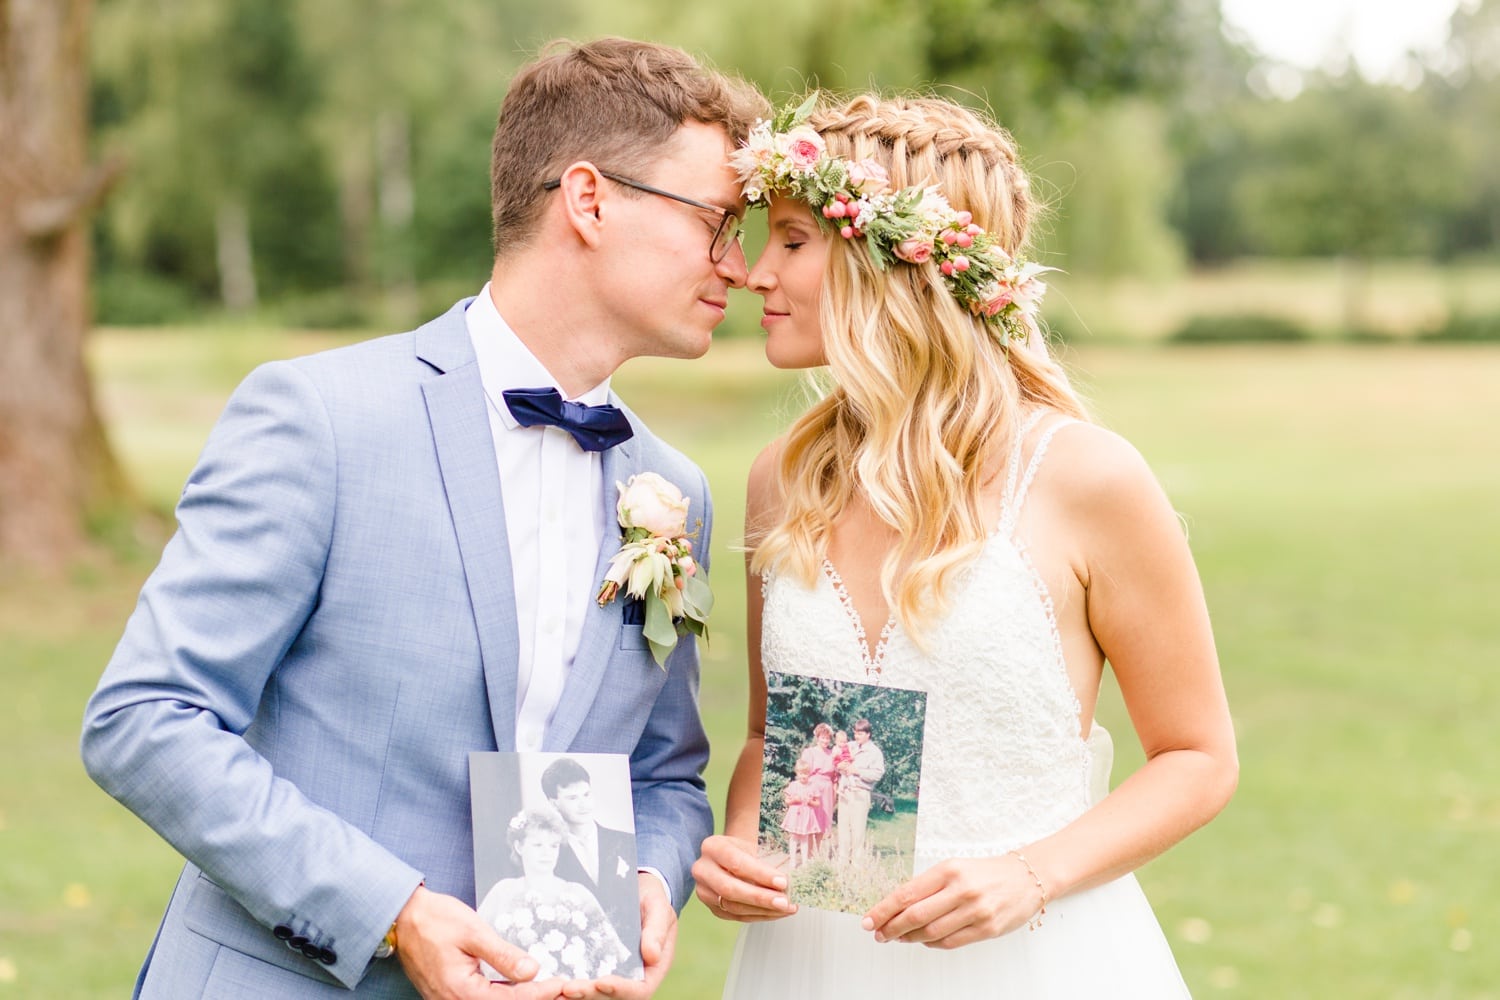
(387, 946)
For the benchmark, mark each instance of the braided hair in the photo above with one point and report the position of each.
(926, 400)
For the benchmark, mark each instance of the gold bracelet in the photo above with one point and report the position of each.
(1035, 920)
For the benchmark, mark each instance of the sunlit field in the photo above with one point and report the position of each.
(1342, 503)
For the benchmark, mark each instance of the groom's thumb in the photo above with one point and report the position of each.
(657, 922)
(504, 957)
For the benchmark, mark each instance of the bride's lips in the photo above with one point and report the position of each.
(770, 316)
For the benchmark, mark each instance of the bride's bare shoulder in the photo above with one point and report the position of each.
(1100, 478)
(763, 490)
(1087, 468)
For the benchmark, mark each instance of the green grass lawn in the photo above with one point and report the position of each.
(1342, 503)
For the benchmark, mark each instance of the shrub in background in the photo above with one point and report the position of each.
(1240, 329)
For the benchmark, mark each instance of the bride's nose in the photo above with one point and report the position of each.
(761, 278)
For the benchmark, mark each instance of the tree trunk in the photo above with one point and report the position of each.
(56, 467)
(397, 209)
(236, 259)
(356, 215)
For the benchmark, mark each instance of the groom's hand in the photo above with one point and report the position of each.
(736, 885)
(440, 942)
(658, 945)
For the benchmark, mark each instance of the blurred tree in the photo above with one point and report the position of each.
(1349, 169)
(56, 467)
(215, 98)
(406, 82)
(1463, 86)
(1107, 179)
(1027, 58)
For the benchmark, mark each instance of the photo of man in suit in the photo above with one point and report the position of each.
(596, 857)
(387, 557)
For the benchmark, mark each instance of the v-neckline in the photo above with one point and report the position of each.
(873, 660)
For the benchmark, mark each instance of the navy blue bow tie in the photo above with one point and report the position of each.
(595, 428)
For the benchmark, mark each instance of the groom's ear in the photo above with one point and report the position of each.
(582, 192)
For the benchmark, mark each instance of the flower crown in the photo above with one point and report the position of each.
(915, 225)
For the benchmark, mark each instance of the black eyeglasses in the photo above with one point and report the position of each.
(726, 234)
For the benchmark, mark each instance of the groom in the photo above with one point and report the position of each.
(384, 562)
(592, 855)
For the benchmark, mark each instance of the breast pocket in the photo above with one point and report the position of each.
(633, 638)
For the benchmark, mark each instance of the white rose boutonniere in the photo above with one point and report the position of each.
(655, 563)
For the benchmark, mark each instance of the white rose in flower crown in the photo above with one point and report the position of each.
(651, 502)
(934, 209)
(1027, 288)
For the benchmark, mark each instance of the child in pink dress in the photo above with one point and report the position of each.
(802, 821)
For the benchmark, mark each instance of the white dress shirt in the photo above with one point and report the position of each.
(553, 495)
(554, 519)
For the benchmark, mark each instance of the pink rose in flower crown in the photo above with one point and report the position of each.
(803, 147)
(868, 177)
(995, 297)
(651, 502)
(914, 251)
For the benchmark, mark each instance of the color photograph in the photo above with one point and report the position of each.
(839, 788)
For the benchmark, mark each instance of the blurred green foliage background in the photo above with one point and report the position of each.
(323, 163)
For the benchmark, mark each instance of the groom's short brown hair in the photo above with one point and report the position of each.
(613, 102)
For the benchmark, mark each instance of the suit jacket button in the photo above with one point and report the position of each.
(296, 941)
(282, 932)
(312, 951)
(327, 956)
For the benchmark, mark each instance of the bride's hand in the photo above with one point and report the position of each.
(736, 885)
(957, 903)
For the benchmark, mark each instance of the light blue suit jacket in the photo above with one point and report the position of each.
(329, 634)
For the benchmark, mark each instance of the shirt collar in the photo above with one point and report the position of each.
(506, 363)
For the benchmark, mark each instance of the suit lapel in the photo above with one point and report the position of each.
(466, 459)
(601, 626)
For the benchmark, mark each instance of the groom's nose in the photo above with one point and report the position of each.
(733, 268)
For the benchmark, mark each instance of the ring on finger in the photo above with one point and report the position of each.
(721, 901)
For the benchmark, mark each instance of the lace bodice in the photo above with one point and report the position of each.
(1003, 762)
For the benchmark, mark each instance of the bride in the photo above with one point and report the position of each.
(951, 487)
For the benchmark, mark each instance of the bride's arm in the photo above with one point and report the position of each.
(732, 881)
(1146, 611)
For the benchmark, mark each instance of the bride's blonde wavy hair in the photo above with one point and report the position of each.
(926, 396)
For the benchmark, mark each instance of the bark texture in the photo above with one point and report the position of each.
(56, 467)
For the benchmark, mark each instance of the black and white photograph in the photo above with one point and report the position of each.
(838, 809)
(555, 860)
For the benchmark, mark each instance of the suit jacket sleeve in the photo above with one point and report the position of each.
(164, 731)
(672, 814)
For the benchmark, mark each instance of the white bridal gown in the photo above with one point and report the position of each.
(1003, 765)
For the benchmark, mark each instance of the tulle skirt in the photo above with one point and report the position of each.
(1102, 942)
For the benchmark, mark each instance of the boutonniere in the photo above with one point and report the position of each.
(655, 563)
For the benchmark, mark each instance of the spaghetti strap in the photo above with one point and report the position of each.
(1013, 467)
(1015, 495)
